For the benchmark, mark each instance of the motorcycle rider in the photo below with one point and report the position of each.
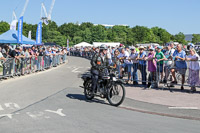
(99, 60)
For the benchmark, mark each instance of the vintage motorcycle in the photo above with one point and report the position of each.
(108, 86)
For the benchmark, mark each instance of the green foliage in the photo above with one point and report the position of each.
(90, 33)
(196, 38)
(180, 37)
(4, 26)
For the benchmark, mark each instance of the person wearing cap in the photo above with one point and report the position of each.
(151, 68)
(168, 63)
(133, 57)
(160, 58)
(142, 64)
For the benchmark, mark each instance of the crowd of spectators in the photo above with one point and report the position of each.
(159, 61)
(24, 60)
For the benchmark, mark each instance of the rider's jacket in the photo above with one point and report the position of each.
(98, 61)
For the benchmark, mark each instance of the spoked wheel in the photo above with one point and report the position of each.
(88, 90)
(116, 94)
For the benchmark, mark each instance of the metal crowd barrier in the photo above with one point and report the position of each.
(152, 78)
(17, 67)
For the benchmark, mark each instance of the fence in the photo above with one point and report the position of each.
(21, 66)
(162, 74)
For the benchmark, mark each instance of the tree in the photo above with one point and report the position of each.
(56, 37)
(196, 38)
(180, 37)
(4, 26)
(162, 36)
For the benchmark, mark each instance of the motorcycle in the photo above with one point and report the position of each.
(108, 87)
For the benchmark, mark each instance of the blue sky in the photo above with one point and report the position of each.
(173, 15)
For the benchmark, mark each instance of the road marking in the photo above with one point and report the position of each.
(75, 70)
(12, 105)
(8, 115)
(35, 116)
(195, 108)
(1, 108)
(59, 112)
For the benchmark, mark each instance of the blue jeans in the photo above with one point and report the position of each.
(135, 75)
(144, 73)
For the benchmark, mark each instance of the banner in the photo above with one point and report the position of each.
(13, 25)
(39, 34)
(20, 29)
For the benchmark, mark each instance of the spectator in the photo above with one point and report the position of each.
(160, 57)
(181, 65)
(133, 57)
(142, 64)
(151, 67)
(1, 57)
(122, 56)
(194, 67)
(27, 60)
(168, 54)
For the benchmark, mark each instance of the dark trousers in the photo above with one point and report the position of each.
(144, 73)
(95, 77)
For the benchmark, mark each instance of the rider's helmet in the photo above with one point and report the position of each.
(103, 47)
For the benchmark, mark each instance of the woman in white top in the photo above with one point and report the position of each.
(194, 67)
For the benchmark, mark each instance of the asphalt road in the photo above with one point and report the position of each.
(53, 102)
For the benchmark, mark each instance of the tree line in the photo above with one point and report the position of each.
(90, 33)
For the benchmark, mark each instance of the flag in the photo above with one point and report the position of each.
(29, 34)
(20, 29)
(39, 34)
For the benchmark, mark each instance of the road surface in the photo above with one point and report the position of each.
(53, 102)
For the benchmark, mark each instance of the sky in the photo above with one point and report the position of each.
(173, 15)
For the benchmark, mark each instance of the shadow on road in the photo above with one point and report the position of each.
(82, 98)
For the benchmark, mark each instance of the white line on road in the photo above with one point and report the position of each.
(12, 105)
(8, 115)
(183, 108)
(59, 112)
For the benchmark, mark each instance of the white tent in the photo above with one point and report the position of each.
(112, 44)
(83, 44)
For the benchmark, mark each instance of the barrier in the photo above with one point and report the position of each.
(21, 66)
(140, 73)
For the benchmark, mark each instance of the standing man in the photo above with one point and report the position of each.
(160, 57)
(142, 64)
(133, 57)
(181, 65)
(168, 54)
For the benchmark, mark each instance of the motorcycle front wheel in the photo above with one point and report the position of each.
(88, 90)
(116, 94)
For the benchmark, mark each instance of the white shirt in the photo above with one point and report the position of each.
(126, 54)
(133, 56)
(109, 54)
(1, 55)
(194, 65)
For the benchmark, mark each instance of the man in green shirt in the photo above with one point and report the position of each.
(160, 57)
